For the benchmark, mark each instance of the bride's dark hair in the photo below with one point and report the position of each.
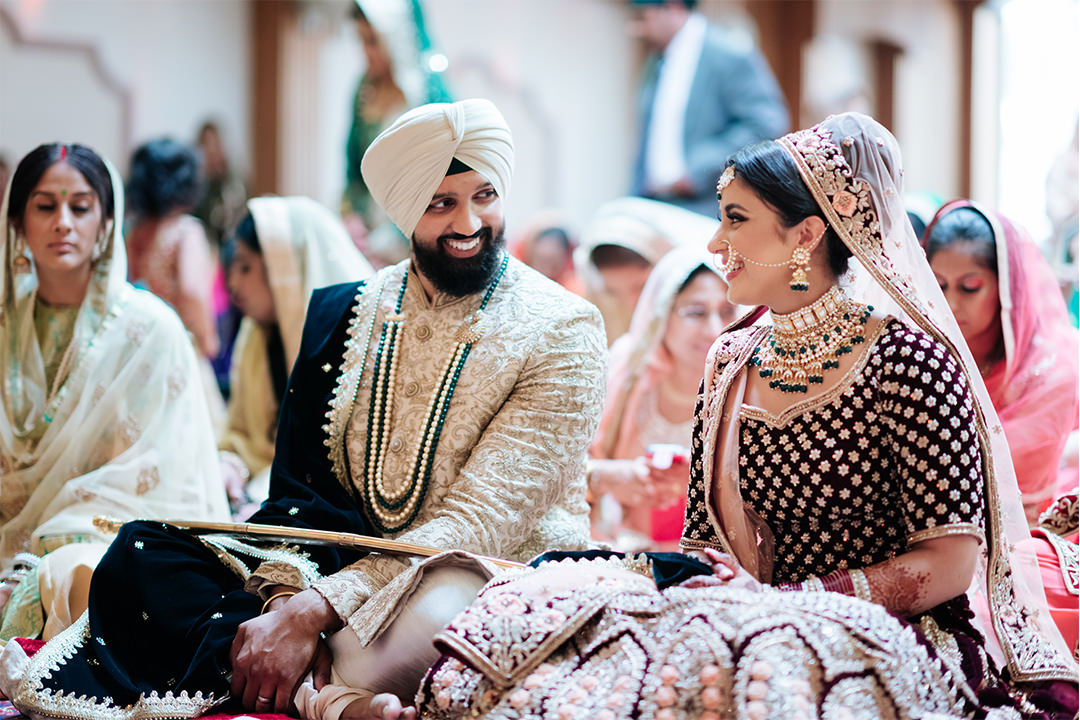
(769, 171)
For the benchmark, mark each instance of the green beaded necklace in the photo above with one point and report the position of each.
(394, 511)
(802, 345)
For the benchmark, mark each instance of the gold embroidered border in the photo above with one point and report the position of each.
(946, 530)
(1029, 658)
(1068, 554)
(32, 696)
(349, 376)
(715, 395)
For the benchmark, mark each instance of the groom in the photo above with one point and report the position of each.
(447, 401)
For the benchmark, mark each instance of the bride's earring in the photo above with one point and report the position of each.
(800, 265)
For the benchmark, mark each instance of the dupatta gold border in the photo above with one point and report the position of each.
(1028, 659)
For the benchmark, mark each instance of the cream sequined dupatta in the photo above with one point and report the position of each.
(852, 166)
(127, 433)
(304, 247)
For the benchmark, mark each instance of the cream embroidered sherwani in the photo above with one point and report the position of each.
(508, 475)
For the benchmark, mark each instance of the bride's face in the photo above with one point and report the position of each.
(750, 230)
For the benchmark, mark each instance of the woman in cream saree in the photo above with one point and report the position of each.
(103, 412)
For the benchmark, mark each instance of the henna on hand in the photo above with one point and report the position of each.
(897, 587)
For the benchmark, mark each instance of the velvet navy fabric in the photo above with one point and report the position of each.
(163, 607)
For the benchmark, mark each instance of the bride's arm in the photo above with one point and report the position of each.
(930, 573)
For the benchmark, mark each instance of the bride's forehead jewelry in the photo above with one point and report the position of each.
(725, 180)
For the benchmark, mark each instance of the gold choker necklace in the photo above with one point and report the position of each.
(802, 345)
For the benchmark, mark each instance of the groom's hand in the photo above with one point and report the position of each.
(272, 653)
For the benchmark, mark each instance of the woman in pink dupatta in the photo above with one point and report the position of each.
(652, 386)
(1016, 325)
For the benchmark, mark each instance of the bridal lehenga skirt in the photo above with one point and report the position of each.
(596, 639)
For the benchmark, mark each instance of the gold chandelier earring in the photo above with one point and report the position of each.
(800, 265)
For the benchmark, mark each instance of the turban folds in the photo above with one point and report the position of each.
(406, 163)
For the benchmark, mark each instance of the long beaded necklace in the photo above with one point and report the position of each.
(394, 511)
(802, 345)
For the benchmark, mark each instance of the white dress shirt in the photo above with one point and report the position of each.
(665, 156)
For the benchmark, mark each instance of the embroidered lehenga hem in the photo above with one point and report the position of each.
(35, 700)
(638, 650)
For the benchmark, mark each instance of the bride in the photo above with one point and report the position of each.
(851, 493)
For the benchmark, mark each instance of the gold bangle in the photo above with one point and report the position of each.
(275, 596)
(813, 584)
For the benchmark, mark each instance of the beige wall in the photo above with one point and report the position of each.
(927, 77)
(181, 60)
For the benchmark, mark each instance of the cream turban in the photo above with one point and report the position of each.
(408, 160)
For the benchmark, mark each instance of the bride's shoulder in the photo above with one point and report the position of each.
(908, 348)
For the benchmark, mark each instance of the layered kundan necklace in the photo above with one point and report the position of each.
(394, 511)
(802, 345)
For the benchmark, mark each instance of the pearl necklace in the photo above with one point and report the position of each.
(802, 345)
(394, 511)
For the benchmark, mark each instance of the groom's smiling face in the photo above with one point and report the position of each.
(458, 240)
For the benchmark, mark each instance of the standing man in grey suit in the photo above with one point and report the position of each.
(702, 99)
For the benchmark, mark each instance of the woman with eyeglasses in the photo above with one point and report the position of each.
(640, 454)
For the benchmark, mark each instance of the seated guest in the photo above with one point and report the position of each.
(447, 401)
(1005, 299)
(282, 250)
(652, 387)
(547, 246)
(168, 248)
(620, 246)
(103, 413)
(168, 251)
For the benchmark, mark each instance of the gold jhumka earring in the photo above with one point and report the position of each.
(21, 263)
(800, 265)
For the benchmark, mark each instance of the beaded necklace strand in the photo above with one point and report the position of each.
(394, 511)
(802, 345)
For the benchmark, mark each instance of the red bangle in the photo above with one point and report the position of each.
(839, 581)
